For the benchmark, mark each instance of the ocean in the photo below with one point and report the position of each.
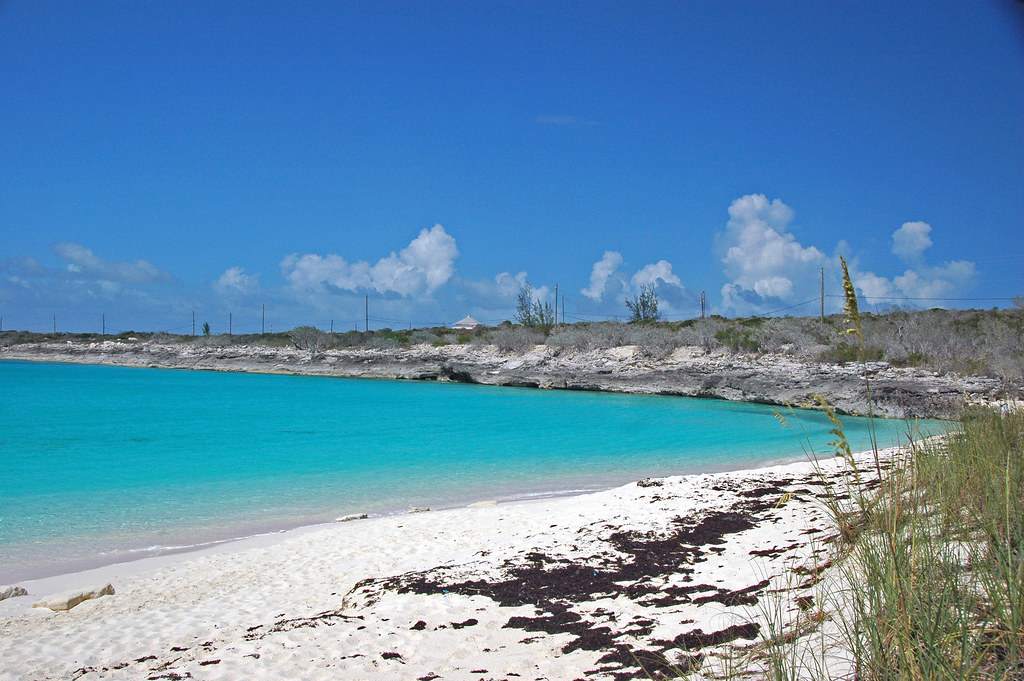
(103, 464)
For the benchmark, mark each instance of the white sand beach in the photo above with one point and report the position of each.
(670, 571)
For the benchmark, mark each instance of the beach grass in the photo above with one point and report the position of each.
(929, 576)
(931, 583)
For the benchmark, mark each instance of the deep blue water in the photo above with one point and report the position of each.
(99, 464)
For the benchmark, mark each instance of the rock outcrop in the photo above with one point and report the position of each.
(770, 379)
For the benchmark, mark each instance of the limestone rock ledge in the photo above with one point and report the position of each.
(775, 379)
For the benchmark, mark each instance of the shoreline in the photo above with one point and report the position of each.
(772, 379)
(119, 561)
(344, 600)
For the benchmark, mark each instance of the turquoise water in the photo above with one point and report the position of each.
(100, 464)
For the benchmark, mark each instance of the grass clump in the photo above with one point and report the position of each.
(935, 578)
(932, 560)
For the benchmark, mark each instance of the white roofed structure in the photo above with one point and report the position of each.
(466, 323)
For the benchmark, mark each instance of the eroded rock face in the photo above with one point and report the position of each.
(768, 379)
(69, 599)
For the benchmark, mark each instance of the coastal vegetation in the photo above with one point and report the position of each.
(532, 312)
(971, 342)
(643, 307)
(925, 578)
(928, 580)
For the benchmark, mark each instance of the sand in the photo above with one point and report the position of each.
(678, 571)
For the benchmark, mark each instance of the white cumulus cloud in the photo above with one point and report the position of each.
(234, 281)
(774, 287)
(911, 240)
(607, 278)
(508, 285)
(653, 273)
(419, 269)
(762, 259)
(602, 271)
(870, 286)
(611, 285)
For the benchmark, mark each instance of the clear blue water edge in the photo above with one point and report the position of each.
(104, 464)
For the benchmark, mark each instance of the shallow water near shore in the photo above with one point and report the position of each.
(103, 464)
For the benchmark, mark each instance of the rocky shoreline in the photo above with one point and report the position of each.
(768, 379)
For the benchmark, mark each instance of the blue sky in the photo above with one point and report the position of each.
(162, 157)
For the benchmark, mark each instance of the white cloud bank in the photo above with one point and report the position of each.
(610, 286)
(83, 262)
(417, 270)
(910, 242)
(766, 266)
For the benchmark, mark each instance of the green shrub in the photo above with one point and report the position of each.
(914, 359)
(390, 338)
(737, 340)
(842, 353)
(515, 339)
(580, 336)
(423, 337)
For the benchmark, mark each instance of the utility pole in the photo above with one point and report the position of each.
(193, 322)
(703, 303)
(230, 315)
(563, 308)
(104, 327)
(556, 304)
(263, 326)
(822, 295)
(332, 326)
(366, 317)
(55, 323)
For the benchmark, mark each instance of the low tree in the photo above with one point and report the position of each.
(206, 328)
(531, 311)
(643, 307)
(524, 306)
(309, 338)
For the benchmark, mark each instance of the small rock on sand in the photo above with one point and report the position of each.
(350, 517)
(69, 599)
(11, 592)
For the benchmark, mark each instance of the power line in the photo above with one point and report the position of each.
(790, 307)
(919, 298)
